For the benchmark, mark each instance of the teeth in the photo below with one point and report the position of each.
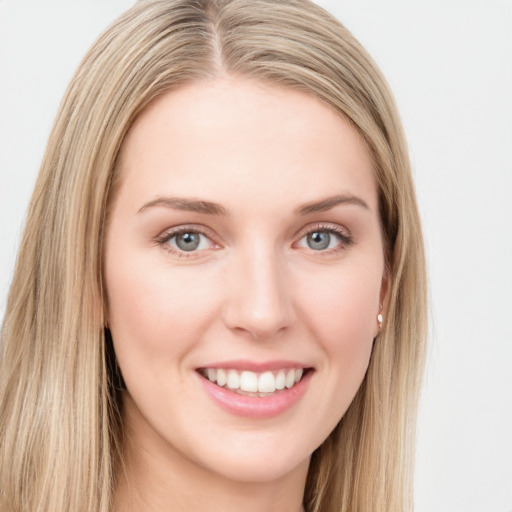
(251, 382)
(267, 383)
(222, 378)
(233, 379)
(280, 380)
(290, 379)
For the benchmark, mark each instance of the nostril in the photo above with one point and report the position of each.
(259, 299)
(259, 324)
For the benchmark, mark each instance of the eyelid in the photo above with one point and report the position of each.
(169, 233)
(340, 231)
(343, 233)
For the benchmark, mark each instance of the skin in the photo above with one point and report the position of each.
(253, 290)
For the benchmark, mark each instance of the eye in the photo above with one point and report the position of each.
(186, 240)
(320, 240)
(189, 241)
(326, 239)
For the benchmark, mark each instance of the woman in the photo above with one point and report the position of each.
(220, 295)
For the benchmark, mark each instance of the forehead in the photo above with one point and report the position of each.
(245, 136)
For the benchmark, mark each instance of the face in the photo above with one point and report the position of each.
(244, 270)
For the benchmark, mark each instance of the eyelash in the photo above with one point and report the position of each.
(163, 240)
(344, 236)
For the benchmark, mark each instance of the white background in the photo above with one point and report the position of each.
(449, 63)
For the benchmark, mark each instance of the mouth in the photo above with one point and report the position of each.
(255, 384)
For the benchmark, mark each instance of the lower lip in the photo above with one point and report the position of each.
(257, 407)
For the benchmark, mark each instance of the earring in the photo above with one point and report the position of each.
(380, 319)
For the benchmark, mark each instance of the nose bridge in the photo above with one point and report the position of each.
(259, 299)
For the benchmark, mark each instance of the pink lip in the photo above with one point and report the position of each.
(258, 367)
(253, 406)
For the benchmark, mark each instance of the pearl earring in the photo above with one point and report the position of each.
(379, 319)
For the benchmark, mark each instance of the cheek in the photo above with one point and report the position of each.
(154, 309)
(339, 310)
(342, 308)
(347, 300)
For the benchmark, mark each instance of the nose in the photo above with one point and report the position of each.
(259, 299)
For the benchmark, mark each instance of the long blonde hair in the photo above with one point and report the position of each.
(60, 423)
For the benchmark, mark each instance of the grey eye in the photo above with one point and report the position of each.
(188, 241)
(318, 240)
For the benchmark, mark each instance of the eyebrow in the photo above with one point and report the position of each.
(189, 205)
(329, 203)
(210, 208)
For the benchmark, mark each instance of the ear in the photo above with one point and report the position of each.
(385, 288)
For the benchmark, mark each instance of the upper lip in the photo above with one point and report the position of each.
(256, 366)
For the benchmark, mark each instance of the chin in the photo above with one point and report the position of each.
(259, 468)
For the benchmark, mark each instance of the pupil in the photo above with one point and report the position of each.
(319, 240)
(187, 241)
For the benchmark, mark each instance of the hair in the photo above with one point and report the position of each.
(60, 409)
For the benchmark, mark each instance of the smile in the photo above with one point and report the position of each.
(264, 391)
(252, 383)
